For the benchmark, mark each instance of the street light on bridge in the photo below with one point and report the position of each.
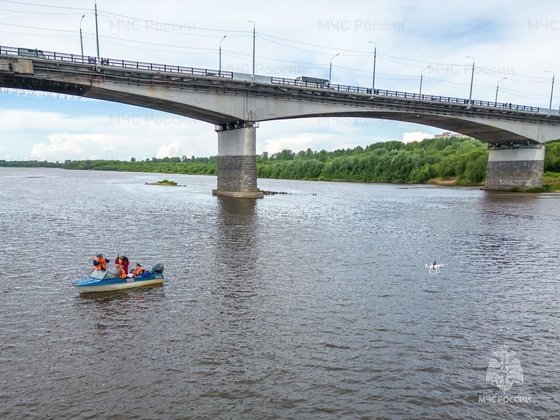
(81, 41)
(472, 78)
(96, 34)
(374, 60)
(254, 36)
(421, 77)
(220, 56)
(330, 66)
(551, 91)
(498, 87)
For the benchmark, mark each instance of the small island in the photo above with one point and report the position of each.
(165, 182)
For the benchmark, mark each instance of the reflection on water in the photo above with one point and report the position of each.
(309, 305)
(236, 240)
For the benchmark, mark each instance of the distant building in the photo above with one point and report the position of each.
(451, 134)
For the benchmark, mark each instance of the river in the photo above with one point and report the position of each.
(315, 304)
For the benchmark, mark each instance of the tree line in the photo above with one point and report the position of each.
(392, 162)
(462, 159)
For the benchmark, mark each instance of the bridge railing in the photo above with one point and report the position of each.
(433, 98)
(328, 87)
(126, 64)
(403, 95)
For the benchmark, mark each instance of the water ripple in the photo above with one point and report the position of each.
(310, 305)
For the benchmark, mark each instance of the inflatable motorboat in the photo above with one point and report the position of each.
(105, 281)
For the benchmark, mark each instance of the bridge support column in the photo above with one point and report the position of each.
(237, 161)
(515, 167)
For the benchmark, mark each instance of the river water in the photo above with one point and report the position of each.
(315, 304)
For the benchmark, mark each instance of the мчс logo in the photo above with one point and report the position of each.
(504, 370)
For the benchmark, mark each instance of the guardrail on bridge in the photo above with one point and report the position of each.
(165, 68)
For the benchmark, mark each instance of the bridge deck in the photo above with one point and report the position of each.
(92, 63)
(83, 75)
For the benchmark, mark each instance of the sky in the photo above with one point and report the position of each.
(513, 44)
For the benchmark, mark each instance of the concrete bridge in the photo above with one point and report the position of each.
(235, 103)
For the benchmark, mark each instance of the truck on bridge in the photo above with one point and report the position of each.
(312, 82)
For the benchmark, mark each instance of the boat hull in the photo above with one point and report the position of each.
(99, 282)
(121, 286)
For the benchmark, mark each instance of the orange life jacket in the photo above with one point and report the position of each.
(119, 271)
(138, 271)
(100, 263)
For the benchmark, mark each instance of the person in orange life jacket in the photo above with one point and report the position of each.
(120, 270)
(100, 262)
(123, 262)
(139, 270)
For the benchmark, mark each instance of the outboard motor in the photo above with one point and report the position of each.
(158, 268)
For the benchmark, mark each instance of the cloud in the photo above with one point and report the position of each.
(169, 150)
(118, 134)
(315, 134)
(412, 136)
(74, 146)
(16, 119)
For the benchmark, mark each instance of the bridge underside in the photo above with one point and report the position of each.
(200, 108)
(92, 92)
(485, 133)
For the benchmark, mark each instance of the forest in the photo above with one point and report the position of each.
(463, 161)
(392, 162)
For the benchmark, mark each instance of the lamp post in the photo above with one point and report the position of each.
(220, 56)
(551, 91)
(96, 33)
(254, 36)
(421, 77)
(330, 66)
(374, 60)
(498, 87)
(81, 40)
(472, 78)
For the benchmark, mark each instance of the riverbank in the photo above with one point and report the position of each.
(551, 183)
(443, 161)
(551, 180)
(449, 182)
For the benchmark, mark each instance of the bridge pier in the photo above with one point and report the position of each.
(512, 167)
(237, 160)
